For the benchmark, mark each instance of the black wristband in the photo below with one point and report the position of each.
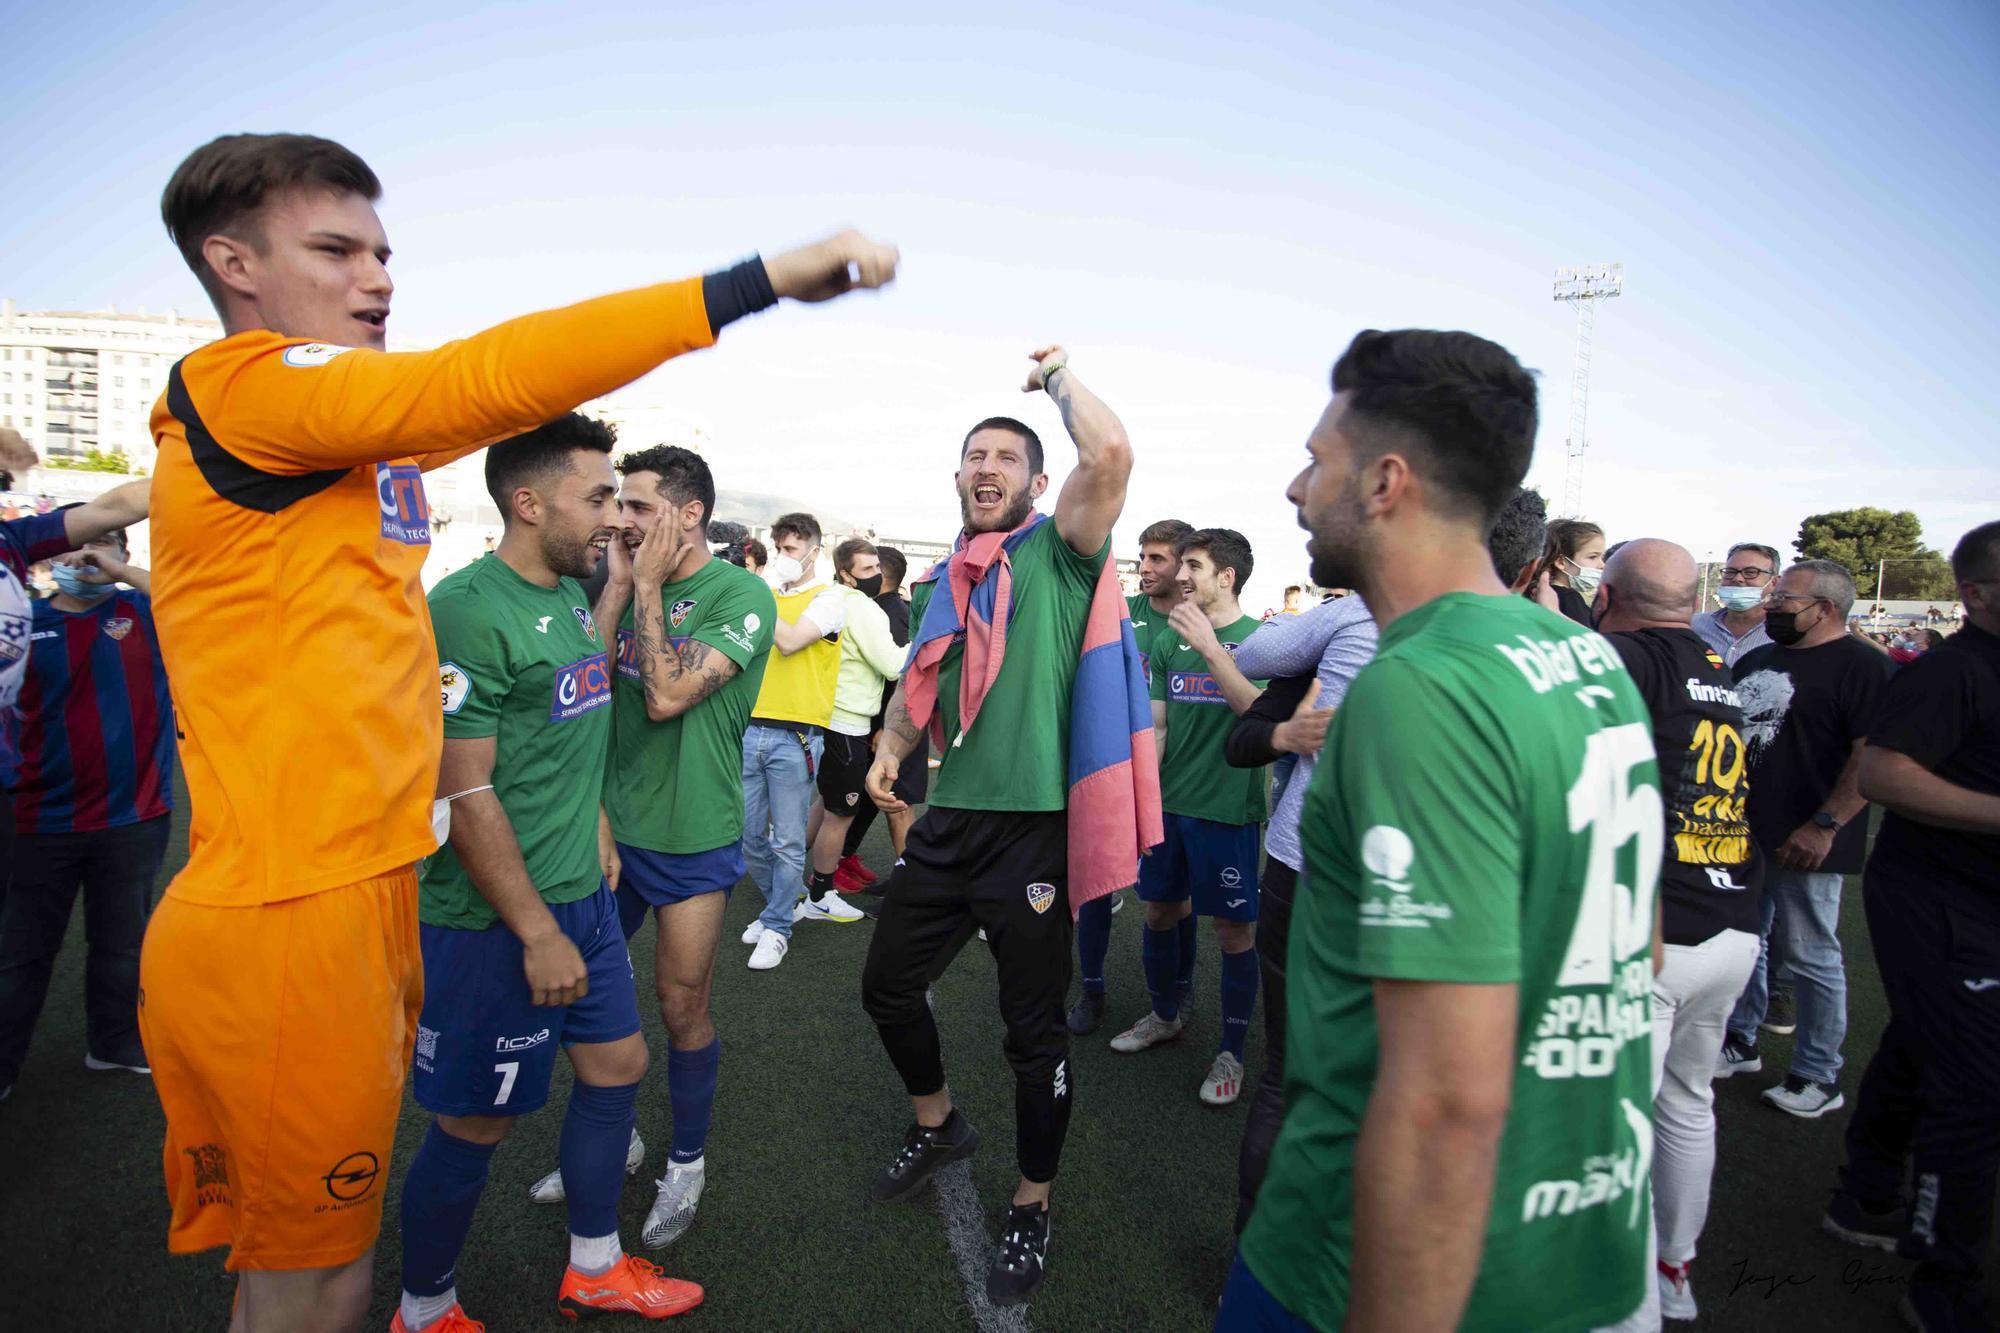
(732, 293)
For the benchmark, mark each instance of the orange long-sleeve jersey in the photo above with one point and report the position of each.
(289, 526)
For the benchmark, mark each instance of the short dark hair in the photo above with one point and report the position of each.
(803, 526)
(1465, 402)
(755, 550)
(1768, 552)
(1169, 532)
(1976, 558)
(222, 184)
(845, 553)
(1291, 588)
(1518, 534)
(1020, 428)
(1227, 549)
(683, 475)
(1932, 639)
(895, 567)
(542, 455)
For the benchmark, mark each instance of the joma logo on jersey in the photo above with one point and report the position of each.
(406, 516)
(1194, 687)
(580, 687)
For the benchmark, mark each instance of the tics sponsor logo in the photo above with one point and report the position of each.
(1605, 1178)
(679, 611)
(584, 619)
(628, 654)
(1194, 687)
(502, 1045)
(118, 626)
(1040, 896)
(580, 687)
(304, 356)
(353, 1176)
(406, 515)
(211, 1174)
(454, 686)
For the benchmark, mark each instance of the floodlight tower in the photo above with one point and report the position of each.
(1584, 286)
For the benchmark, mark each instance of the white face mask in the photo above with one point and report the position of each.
(1585, 582)
(785, 569)
(441, 812)
(1737, 598)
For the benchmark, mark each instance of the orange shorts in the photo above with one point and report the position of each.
(279, 1037)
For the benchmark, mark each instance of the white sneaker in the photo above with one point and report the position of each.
(770, 951)
(673, 1209)
(828, 907)
(92, 1062)
(1804, 1098)
(1117, 903)
(1676, 1291)
(1150, 1030)
(753, 932)
(549, 1189)
(1225, 1080)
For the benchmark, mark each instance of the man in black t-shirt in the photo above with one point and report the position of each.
(1808, 697)
(1931, 1097)
(1710, 899)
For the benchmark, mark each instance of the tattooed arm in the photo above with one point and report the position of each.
(676, 679)
(899, 739)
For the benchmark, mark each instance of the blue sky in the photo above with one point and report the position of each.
(1203, 204)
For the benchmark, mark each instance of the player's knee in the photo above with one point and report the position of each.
(1164, 916)
(1235, 936)
(477, 1128)
(887, 998)
(684, 1011)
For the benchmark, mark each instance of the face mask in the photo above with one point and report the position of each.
(1783, 627)
(784, 569)
(1737, 598)
(870, 586)
(70, 581)
(441, 812)
(1585, 582)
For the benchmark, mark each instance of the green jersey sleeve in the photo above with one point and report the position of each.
(1156, 671)
(474, 668)
(1435, 833)
(740, 624)
(1078, 571)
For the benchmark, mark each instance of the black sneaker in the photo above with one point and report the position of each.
(1781, 1015)
(1737, 1058)
(1021, 1261)
(1089, 1012)
(1848, 1219)
(922, 1153)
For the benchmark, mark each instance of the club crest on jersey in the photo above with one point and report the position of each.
(406, 515)
(1040, 896)
(584, 619)
(680, 611)
(118, 626)
(580, 687)
(453, 686)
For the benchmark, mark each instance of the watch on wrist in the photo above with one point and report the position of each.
(1821, 819)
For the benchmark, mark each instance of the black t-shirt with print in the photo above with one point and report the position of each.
(1943, 710)
(1712, 876)
(1803, 709)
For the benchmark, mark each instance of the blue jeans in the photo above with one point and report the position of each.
(1809, 903)
(778, 773)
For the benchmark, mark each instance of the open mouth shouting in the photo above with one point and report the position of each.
(375, 319)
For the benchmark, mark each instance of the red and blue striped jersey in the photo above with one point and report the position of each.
(23, 542)
(97, 723)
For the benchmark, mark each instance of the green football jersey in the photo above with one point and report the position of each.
(1195, 779)
(677, 786)
(523, 664)
(1486, 810)
(1016, 757)
(1147, 625)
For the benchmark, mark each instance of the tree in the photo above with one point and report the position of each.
(1862, 539)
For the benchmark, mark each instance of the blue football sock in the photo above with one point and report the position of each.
(440, 1192)
(1093, 941)
(1239, 998)
(1184, 978)
(691, 1088)
(595, 1131)
(1160, 951)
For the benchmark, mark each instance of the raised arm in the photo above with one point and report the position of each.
(1094, 495)
(119, 507)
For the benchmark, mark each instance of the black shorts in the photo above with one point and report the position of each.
(913, 779)
(843, 773)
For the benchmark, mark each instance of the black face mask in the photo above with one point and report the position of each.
(1783, 627)
(870, 586)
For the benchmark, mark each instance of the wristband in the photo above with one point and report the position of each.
(1049, 372)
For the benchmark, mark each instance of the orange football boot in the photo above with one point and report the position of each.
(453, 1320)
(632, 1286)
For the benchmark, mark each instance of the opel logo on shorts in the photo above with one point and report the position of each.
(353, 1176)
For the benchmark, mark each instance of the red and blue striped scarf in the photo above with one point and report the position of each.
(1114, 770)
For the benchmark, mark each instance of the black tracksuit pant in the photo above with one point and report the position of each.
(1006, 873)
(1275, 890)
(1929, 1102)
